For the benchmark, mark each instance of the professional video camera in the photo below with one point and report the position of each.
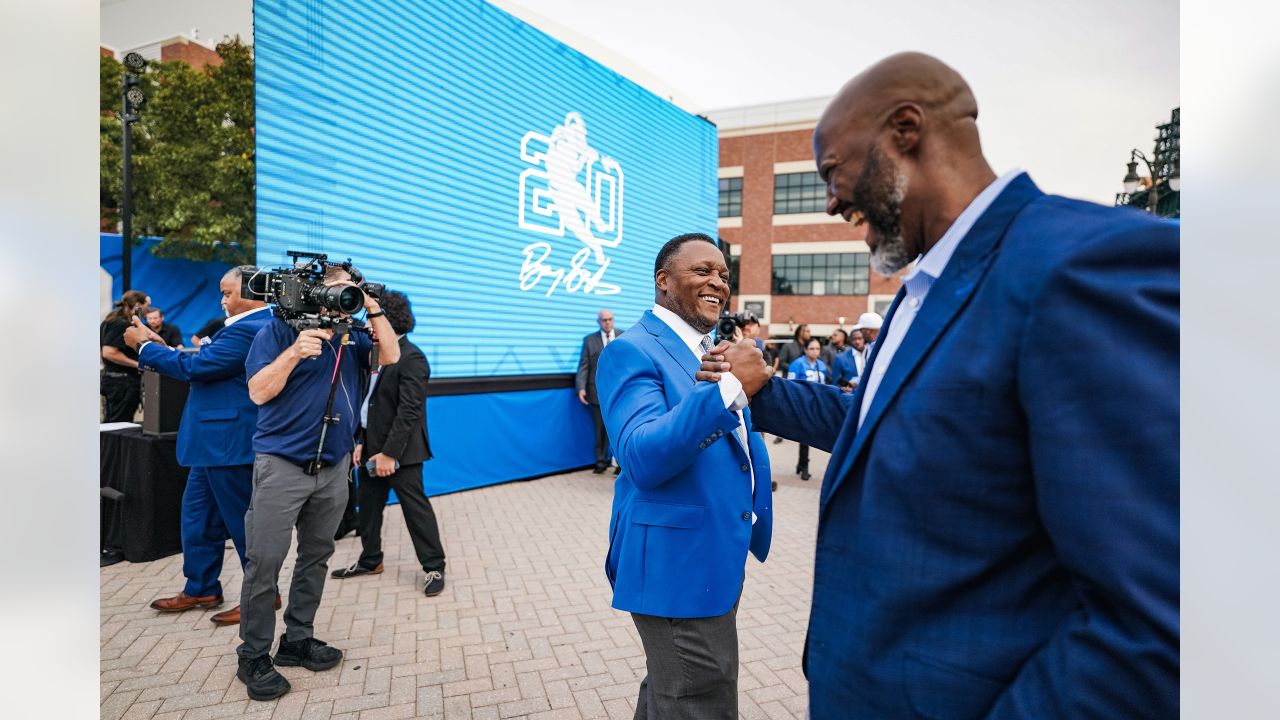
(726, 324)
(301, 297)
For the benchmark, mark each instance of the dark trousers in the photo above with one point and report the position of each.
(122, 392)
(213, 507)
(602, 437)
(418, 516)
(803, 464)
(692, 665)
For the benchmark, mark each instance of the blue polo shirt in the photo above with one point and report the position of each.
(289, 424)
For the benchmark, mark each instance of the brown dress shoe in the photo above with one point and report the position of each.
(183, 601)
(232, 616)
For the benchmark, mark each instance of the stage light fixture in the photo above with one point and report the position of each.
(135, 62)
(136, 97)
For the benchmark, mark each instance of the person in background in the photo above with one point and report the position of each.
(121, 383)
(847, 366)
(393, 440)
(215, 440)
(837, 344)
(585, 383)
(204, 333)
(869, 324)
(788, 353)
(170, 334)
(290, 374)
(809, 368)
(858, 344)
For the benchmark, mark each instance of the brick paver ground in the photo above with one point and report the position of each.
(523, 629)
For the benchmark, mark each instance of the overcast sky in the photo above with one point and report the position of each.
(1064, 89)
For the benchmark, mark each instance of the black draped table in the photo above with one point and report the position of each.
(144, 524)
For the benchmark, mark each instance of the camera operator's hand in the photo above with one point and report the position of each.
(139, 333)
(383, 465)
(743, 359)
(310, 343)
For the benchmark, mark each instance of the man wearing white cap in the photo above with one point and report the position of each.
(869, 323)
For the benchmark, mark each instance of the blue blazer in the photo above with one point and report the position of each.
(999, 539)
(219, 419)
(844, 369)
(681, 524)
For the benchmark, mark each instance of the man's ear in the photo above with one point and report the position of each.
(906, 122)
(660, 279)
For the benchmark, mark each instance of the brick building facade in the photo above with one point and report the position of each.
(793, 263)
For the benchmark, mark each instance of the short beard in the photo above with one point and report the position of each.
(878, 195)
(688, 314)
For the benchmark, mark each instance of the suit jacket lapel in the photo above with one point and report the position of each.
(948, 296)
(670, 342)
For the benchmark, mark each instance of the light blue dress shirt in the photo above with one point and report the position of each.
(917, 283)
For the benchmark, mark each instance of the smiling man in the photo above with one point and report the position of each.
(998, 527)
(694, 493)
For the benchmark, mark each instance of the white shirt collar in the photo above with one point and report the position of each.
(684, 330)
(236, 318)
(935, 261)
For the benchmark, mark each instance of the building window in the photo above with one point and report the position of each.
(829, 274)
(730, 197)
(730, 260)
(798, 193)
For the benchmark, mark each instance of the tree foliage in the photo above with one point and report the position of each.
(193, 155)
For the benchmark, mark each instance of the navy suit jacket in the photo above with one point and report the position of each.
(219, 419)
(681, 522)
(999, 538)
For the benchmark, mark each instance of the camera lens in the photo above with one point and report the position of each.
(339, 298)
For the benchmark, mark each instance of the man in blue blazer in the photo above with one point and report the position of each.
(694, 492)
(998, 527)
(215, 440)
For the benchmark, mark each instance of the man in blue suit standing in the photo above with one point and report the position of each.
(215, 440)
(694, 492)
(998, 527)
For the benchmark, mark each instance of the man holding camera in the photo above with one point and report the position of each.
(215, 440)
(393, 447)
(307, 386)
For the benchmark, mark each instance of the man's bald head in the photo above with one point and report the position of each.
(909, 78)
(898, 150)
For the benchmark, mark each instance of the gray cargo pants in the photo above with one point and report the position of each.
(284, 497)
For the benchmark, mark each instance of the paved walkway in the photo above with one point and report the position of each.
(523, 629)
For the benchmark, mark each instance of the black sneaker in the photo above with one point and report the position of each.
(435, 583)
(261, 679)
(312, 654)
(355, 569)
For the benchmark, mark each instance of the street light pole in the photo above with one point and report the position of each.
(131, 100)
(1131, 179)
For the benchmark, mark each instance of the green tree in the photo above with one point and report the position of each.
(193, 156)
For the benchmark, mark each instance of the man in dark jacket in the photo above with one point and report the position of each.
(585, 383)
(393, 448)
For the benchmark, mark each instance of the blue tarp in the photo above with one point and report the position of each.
(186, 290)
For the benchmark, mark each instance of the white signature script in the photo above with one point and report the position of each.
(575, 278)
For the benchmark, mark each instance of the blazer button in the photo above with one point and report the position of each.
(746, 515)
(744, 467)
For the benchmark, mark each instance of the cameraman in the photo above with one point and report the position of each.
(292, 375)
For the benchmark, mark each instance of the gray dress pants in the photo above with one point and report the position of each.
(285, 497)
(693, 667)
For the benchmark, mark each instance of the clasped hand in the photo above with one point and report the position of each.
(743, 359)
